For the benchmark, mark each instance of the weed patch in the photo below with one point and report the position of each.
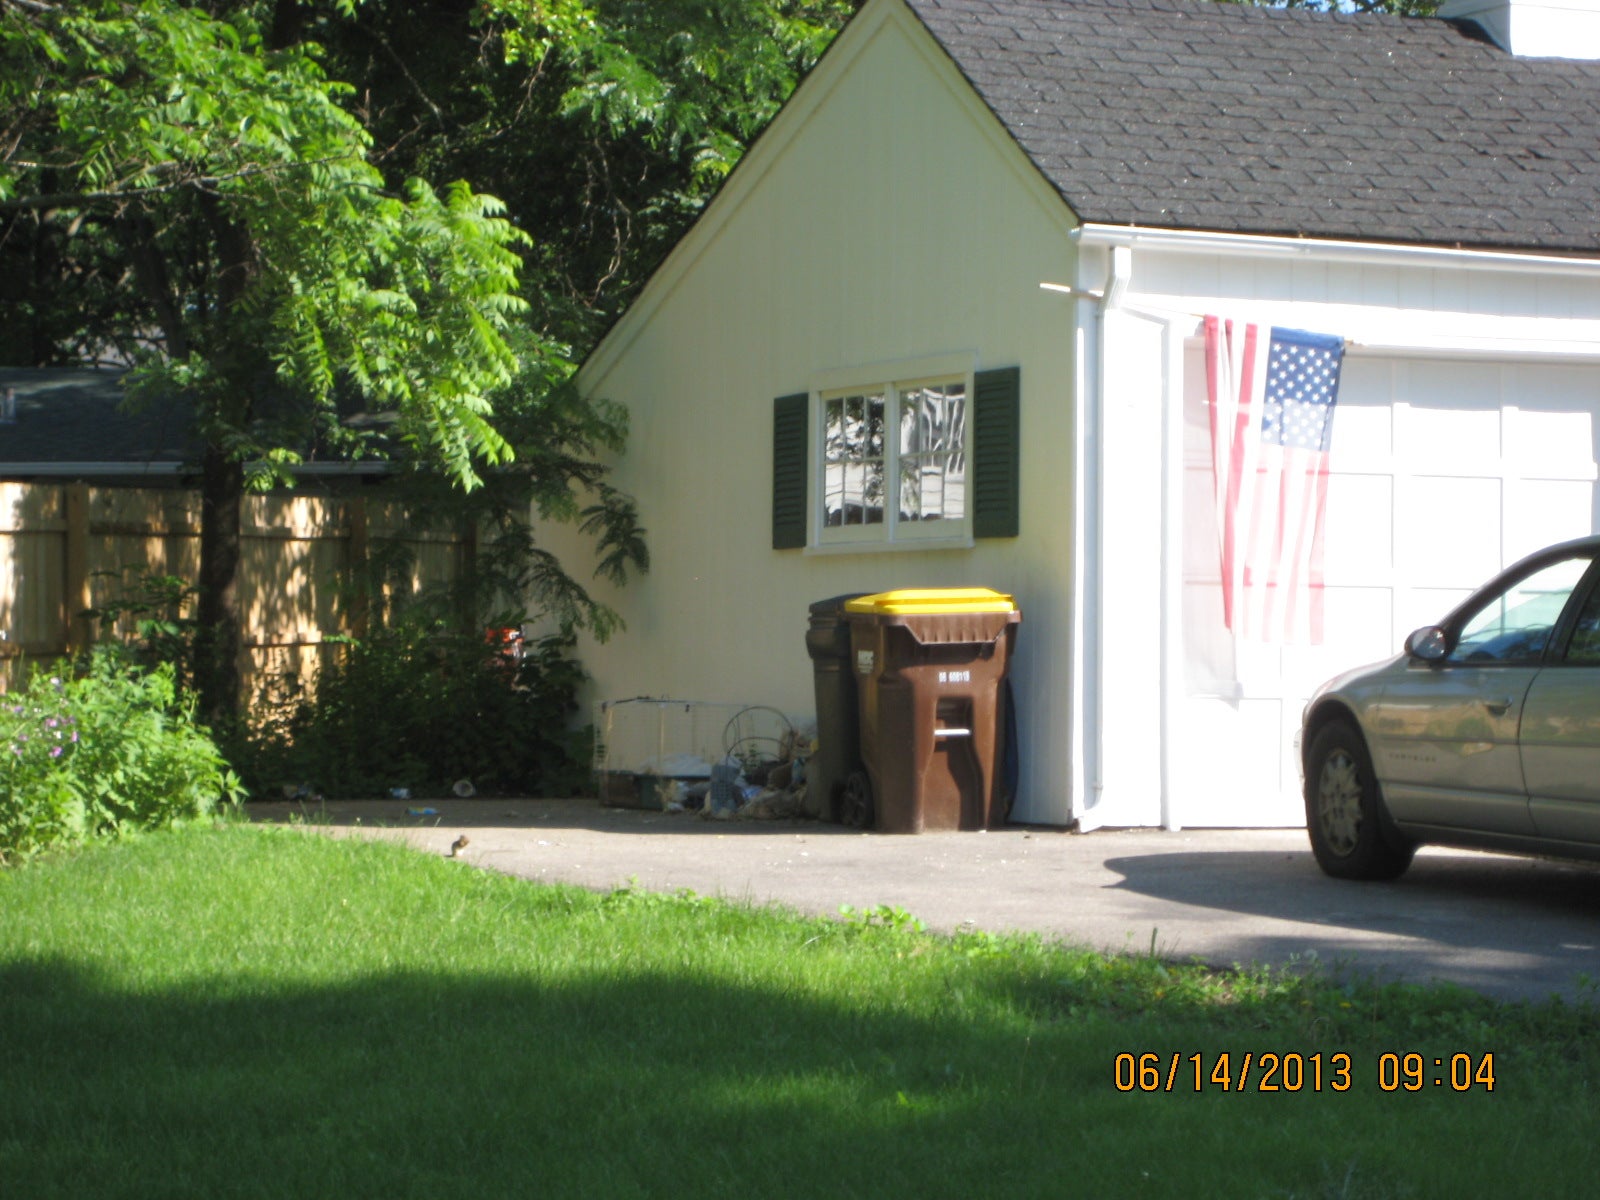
(112, 751)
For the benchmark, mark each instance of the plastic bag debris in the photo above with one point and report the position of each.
(731, 793)
(722, 801)
(671, 795)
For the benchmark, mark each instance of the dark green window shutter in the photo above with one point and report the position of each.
(790, 464)
(996, 445)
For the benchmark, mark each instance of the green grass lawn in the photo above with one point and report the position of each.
(264, 1012)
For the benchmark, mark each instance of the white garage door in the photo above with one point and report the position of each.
(1443, 471)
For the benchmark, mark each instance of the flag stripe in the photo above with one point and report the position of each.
(1271, 399)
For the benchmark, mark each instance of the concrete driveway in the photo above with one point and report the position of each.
(1513, 928)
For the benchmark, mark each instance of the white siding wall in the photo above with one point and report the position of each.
(883, 217)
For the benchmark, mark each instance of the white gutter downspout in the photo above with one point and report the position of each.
(1118, 278)
(1172, 468)
(1088, 703)
(1085, 785)
(1089, 691)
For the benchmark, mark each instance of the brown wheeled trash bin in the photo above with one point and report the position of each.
(931, 667)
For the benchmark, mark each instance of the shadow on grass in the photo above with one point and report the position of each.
(408, 1085)
(413, 1085)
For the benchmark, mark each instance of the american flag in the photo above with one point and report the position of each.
(1271, 396)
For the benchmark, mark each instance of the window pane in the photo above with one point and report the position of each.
(932, 452)
(833, 493)
(833, 440)
(910, 489)
(1514, 626)
(872, 494)
(852, 455)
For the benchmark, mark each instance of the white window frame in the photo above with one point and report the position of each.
(891, 534)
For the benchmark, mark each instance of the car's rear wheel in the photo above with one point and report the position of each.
(1344, 809)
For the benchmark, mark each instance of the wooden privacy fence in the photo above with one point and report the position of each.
(68, 548)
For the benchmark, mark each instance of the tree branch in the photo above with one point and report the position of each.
(205, 184)
(150, 270)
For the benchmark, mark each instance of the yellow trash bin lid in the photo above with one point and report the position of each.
(932, 601)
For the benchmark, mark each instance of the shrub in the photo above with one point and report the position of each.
(113, 751)
(149, 611)
(418, 706)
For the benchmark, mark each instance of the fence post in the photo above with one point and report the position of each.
(75, 598)
(356, 579)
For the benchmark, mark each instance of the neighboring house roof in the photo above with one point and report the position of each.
(75, 423)
(1197, 115)
(77, 417)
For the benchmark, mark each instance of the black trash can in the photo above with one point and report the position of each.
(838, 712)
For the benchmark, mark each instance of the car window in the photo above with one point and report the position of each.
(1584, 649)
(1515, 625)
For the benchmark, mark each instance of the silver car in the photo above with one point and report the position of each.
(1485, 732)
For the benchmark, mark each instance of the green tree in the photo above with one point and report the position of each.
(230, 192)
(605, 125)
(278, 268)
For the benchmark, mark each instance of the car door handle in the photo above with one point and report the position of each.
(1498, 707)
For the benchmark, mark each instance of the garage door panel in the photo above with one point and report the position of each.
(1447, 417)
(1232, 759)
(1260, 668)
(1358, 539)
(1360, 629)
(1542, 511)
(1209, 668)
(1447, 529)
(1550, 436)
(1363, 428)
(1453, 440)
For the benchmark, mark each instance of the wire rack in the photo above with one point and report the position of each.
(644, 739)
